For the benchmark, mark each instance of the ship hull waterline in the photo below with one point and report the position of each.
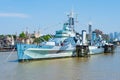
(53, 54)
(39, 54)
(95, 50)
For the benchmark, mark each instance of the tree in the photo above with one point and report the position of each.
(37, 40)
(42, 39)
(14, 36)
(9, 35)
(99, 32)
(1, 36)
(46, 37)
(106, 37)
(22, 35)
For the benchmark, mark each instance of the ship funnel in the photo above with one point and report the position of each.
(84, 42)
(93, 38)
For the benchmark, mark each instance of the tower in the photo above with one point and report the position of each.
(90, 32)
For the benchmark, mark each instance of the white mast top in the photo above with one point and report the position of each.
(71, 14)
(90, 23)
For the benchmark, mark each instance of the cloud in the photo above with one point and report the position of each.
(18, 15)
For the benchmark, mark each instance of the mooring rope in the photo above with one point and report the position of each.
(10, 54)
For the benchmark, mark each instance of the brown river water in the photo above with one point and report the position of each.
(96, 67)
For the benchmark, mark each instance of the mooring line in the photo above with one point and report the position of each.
(10, 54)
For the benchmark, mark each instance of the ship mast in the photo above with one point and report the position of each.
(71, 20)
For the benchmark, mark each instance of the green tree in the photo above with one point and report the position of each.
(9, 35)
(14, 36)
(37, 40)
(46, 37)
(1, 36)
(22, 35)
(42, 39)
(104, 36)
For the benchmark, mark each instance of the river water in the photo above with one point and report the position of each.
(96, 67)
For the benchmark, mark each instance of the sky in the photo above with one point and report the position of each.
(50, 15)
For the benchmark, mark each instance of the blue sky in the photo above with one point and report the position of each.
(49, 15)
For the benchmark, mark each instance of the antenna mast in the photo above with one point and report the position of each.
(71, 20)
